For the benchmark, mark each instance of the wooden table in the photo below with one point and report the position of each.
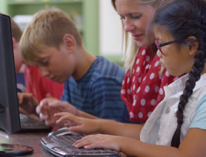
(29, 139)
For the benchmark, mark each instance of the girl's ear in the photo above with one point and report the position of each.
(70, 43)
(193, 45)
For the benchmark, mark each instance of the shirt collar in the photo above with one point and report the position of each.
(179, 85)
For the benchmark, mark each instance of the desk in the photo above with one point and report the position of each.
(29, 139)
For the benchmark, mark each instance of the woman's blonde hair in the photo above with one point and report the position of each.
(129, 45)
(47, 28)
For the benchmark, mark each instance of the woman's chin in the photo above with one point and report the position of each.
(142, 43)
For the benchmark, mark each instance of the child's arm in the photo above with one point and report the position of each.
(49, 106)
(90, 126)
(193, 145)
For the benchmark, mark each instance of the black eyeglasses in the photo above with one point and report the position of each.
(164, 44)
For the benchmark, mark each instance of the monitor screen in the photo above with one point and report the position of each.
(9, 111)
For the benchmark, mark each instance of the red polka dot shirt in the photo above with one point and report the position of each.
(142, 89)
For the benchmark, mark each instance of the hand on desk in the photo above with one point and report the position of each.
(49, 106)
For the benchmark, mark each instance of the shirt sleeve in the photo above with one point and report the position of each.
(40, 86)
(27, 81)
(106, 100)
(200, 116)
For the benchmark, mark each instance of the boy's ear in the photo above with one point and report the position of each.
(14, 42)
(193, 45)
(69, 42)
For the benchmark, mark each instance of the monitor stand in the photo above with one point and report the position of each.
(14, 149)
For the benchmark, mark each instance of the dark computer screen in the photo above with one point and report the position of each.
(9, 111)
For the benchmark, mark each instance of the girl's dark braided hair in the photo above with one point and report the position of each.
(185, 18)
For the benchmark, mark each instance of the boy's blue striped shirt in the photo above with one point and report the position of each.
(98, 91)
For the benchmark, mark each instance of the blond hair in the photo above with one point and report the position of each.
(130, 47)
(47, 28)
(16, 31)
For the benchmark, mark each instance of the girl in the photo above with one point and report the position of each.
(177, 126)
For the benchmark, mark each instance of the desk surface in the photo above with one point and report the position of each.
(29, 139)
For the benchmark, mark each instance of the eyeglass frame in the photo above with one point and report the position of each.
(158, 45)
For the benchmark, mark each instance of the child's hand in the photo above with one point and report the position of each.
(77, 124)
(49, 106)
(100, 141)
(27, 103)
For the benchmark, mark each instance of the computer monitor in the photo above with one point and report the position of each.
(9, 110)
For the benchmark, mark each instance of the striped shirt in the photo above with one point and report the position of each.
(98, 91)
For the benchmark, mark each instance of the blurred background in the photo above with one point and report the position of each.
(96, 20)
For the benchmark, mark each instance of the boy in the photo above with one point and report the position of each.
(35, 85)
(52, 43)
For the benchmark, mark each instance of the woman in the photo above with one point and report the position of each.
(142, 88)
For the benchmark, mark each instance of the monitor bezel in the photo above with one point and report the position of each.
(9, 116)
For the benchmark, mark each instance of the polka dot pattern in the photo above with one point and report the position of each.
(156, 89)
(139, 79)
(143, 89)
(134, 87)
(157, 63)
(149, 113)
(161, 91)
(147, 89)
(138, 89)
(131, 115)
(140, 114)
(167, 74)
(152, 75)
(147, 58)
(153, 102)
(128, 91)
(133, 79)
(143, 52)
(128, 80)
(122, 91)
(134, 102)
(143, 102)
(138, 69)
(137, 61)
(147, 66)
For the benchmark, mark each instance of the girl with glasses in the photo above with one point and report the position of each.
(177, 126)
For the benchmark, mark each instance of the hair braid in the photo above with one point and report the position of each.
(194, 76)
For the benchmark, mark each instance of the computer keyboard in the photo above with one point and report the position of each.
(32, 124)
(67, 143)
(60, 143)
